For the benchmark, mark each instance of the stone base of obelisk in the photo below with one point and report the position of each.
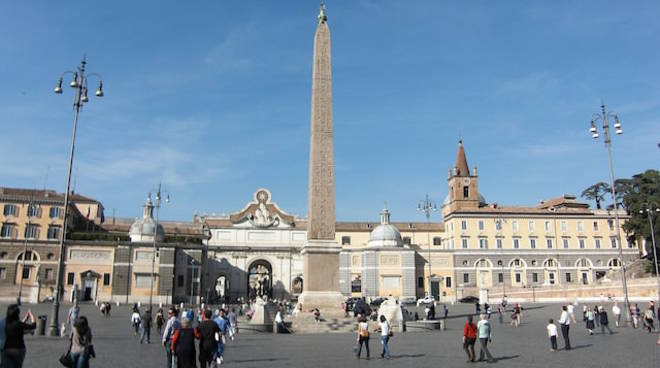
(321, 278)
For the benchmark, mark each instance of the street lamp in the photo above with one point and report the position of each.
(79, 83)
(30, 213)
(427, 206)
(649, 211)
(153, 254)
(604, 116)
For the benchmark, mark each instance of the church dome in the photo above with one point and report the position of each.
(142, 230)
(385, 235)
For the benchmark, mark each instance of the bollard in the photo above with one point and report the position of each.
(41, 325)
(276, 328)
(442, 325)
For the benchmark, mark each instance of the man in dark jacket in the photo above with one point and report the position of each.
(146, 327)
(208, 345)
(604, 321)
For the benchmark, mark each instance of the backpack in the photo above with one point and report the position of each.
(363, 331)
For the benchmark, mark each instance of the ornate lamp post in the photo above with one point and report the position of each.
(30, 213)
(649, 212)
(427, 206)
(603, 116)
(79, 84)
(153, 255)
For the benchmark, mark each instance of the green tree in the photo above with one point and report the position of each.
(643, 192)
(596, 193)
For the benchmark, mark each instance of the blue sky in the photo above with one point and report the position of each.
(213, 98)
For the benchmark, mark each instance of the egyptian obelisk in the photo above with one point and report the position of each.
(321, 251)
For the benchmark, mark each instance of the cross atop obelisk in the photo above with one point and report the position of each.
(321, 205)
(321, 252)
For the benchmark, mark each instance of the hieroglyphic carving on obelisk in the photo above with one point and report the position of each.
(321, 202)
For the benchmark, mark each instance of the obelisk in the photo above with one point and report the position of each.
(321, 251)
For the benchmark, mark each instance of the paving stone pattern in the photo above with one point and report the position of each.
(527, 346)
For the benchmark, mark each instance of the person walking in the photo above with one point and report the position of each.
(565, 322)
(469, 338)
(363, 336)
(136, 320)
(584, 313)
(146, 322)
(206, 333)
(160, 320)
(222, 323)
(385, 334)
(183, 345)
(485, 336)
(172, 326)
(500, 313)
(648, 319)
(445, 311)
(81, 343)
(634, 310)
(571, 312)
(590, 321)
(14, 351)
(233, 324)
(617, 314)
(604, 321)
(596, 315)
(552, 334)
(72, 315)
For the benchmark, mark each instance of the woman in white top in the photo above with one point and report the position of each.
(135, 320)
(385, 333)
(363, 335)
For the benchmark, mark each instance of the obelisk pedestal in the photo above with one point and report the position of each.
(321, 252)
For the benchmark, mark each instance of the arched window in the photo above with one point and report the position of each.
(614, 262)
(550, 263)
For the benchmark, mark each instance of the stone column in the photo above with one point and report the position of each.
(321, 252)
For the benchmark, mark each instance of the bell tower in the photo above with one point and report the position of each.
(463, 185)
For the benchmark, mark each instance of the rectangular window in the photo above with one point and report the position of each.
(564, 226)
(49, 274)
(142, 280)
(466, 278)
(548, 243)
(535, 277)
(345, 240)
(597, 243)
(8, 230)
(452, 244)
(466, 192)
(54, 232)
(437, 241)
(613, 241)
(69, 278)
(3, 273)
(514, 226)
(483, 243)
(406, 240)
(581, 242)
(498, 225)
(532, 226)
(420, 282)
(482, 226)
(10, 210)
(499, 243)
(532, 243)
(55, 212)
(500, 277)
(451, 227)
(595, 225)
(32, 231)
(179, 281)
(580, 226)
(356, 284)
(106, 279)
(548, 226)
(464, 243)
(518, 278)
(565, 241)
(568, 277)
(516, 243)
(33, 211)
(463, 225)
(448, 281)
(610, 224)
(26, 273)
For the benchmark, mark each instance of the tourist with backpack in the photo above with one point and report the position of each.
(363, 336)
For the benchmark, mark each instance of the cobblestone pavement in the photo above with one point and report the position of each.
(527, 346)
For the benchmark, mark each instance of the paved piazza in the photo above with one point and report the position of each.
(526, 346)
